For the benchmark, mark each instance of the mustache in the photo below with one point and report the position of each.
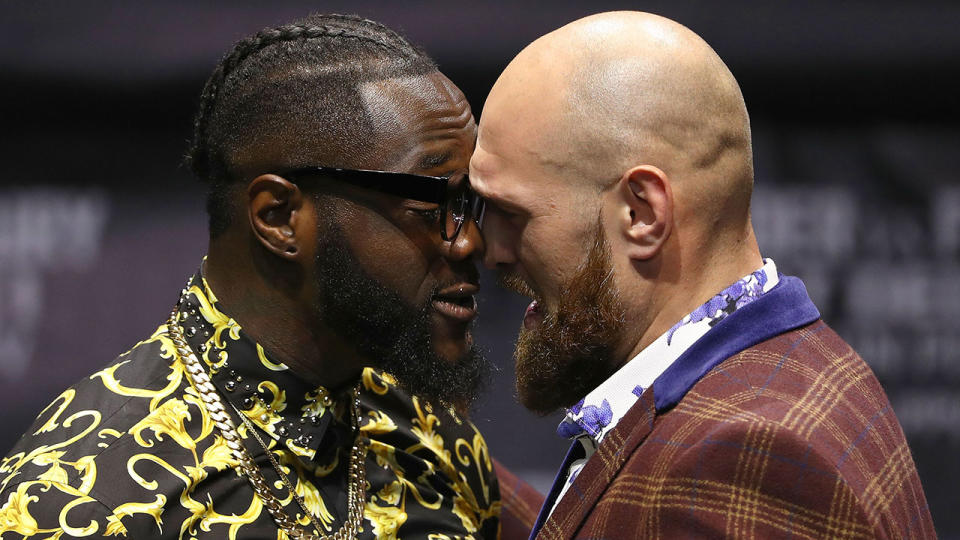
(513, 282)
(468, 275)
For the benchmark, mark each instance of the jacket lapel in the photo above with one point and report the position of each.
(574, 453)
(600, 469)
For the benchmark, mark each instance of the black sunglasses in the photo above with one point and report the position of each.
(452, 193)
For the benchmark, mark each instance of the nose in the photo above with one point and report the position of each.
(499, 240)
(468, 243)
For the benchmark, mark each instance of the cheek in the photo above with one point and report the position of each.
(551, 257)
(394, 259)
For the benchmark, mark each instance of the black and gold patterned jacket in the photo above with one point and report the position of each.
(131, 451)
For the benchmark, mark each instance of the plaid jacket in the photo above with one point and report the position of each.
(770, 426)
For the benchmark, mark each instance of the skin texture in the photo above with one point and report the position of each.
(265, 267)
(630, 124)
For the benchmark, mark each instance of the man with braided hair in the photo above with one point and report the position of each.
(313, 376)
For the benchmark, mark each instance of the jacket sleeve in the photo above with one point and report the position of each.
(520, 505)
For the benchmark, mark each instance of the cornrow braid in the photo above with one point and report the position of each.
(196, 156)
(260, 83)
(360, 23)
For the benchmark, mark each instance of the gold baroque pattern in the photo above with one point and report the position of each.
(131, 452)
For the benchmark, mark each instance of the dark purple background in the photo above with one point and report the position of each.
(857, 131)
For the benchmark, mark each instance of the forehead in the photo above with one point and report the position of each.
(499, 177)
(422, 122)
(511, 155)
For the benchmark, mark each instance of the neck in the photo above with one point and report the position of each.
(279, 320)
(669, 302)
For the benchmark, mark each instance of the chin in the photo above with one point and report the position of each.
(453, 351)
(451, 340)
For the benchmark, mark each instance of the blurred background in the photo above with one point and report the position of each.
(857, 144)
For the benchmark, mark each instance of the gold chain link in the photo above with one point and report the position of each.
(356, 480)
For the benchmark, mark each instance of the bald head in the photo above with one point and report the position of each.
(614, 157)
(619, 89)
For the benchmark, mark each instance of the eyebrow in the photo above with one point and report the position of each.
(432, 161)
(496, 199)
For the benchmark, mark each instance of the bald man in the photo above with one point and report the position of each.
(704, 395)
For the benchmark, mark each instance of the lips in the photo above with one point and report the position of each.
(533, 316)
(513, 281)
(457, 302)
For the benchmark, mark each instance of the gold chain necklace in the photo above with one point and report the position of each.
(356, 474)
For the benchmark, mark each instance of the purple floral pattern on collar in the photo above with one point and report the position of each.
(593, 418)
(729, 300)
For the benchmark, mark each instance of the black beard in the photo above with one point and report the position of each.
(571, 351)
(388, 332)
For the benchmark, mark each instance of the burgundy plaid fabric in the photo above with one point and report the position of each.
(790, 438)
(520, 504)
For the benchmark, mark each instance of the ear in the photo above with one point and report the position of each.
(278, 215)
(646, 210)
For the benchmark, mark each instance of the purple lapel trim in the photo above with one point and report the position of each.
(575, 452)
(781, 309)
